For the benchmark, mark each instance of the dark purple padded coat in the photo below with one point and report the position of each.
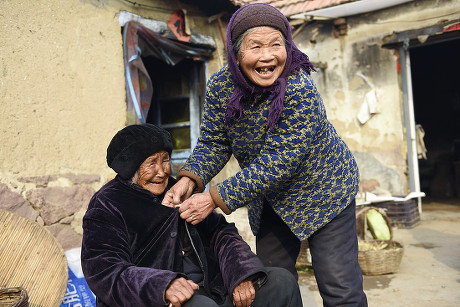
(131, 253)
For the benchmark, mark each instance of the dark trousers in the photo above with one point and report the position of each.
(281, 289)
(276, 245)
(334, 251)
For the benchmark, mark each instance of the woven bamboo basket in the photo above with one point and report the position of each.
(14, 297)
(304, 257)
(31, 258)
(377, 257)
(380, 259)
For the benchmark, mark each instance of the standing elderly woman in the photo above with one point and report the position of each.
(138, 252)
(298, 178)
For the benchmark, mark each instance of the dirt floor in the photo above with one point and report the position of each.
(429, 273)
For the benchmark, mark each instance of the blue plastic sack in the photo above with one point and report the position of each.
(78, 293)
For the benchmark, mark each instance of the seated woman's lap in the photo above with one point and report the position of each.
(281, 289)
(199, 300)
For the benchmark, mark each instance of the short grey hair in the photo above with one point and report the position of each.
(239, 41)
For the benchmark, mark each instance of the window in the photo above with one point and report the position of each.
(165, 85)
(176, 100)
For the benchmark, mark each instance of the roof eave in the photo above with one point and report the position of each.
(348, 9)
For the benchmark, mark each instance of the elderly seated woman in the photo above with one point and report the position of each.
(138, 252)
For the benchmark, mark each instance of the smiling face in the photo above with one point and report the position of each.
(263, 55)
(154, 172)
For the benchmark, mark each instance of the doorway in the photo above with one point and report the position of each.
(176, 104)
(165, 82)
(435, 71)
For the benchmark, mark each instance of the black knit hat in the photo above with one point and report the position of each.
(133, 144)
(257, 15)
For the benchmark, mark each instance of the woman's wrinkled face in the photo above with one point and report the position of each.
(154, 172)
(263, 55)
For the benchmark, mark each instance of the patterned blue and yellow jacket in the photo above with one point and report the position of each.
(302, 167)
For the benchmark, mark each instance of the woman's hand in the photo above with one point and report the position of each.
(179, 192)
(179, 291)
(244, 294)
(197, 207)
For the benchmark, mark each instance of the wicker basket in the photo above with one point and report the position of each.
(32, 258)
(14, 297)
(377, 257)
(381, 260)
(304, 257)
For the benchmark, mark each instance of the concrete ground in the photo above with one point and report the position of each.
(429, 273)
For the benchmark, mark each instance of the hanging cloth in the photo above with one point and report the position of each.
(139, 40)
(420, 143)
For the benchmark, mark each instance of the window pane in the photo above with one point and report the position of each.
(181, 137)
(175, 111)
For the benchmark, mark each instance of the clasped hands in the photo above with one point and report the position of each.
(193, 208)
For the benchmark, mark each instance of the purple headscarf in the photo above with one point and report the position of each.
(256, 15)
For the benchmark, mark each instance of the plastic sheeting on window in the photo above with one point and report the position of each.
(140, 41)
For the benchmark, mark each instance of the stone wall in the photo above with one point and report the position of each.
(57, 202)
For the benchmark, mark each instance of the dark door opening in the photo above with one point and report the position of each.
(176, 89)
(176, 103)
(165, 82)
(435, 70)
